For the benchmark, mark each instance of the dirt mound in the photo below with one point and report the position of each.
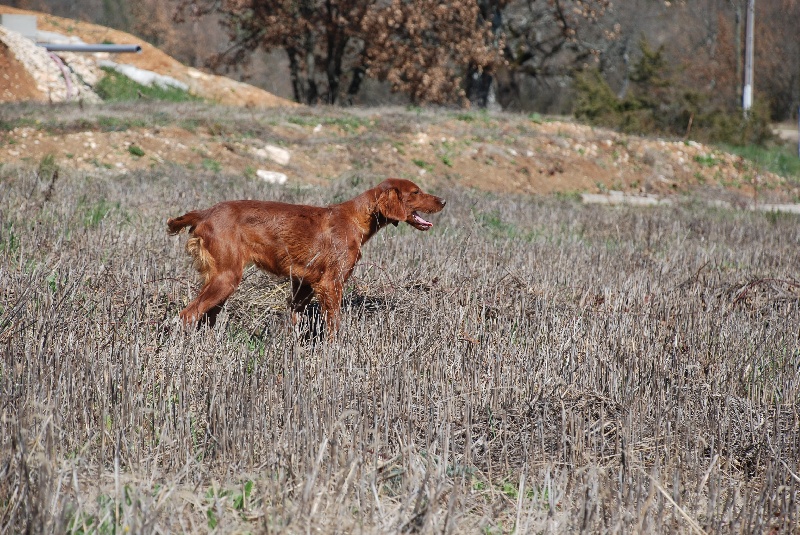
(17, 83)
(207, 86)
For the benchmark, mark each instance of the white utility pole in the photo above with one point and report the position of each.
(747, 93)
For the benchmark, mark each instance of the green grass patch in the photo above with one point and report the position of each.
(116, 87)
(781, 160)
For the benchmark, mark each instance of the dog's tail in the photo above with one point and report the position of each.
(190, 220)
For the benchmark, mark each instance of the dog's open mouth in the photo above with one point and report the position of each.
(419, 222)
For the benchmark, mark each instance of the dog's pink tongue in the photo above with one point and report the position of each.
(421, 221)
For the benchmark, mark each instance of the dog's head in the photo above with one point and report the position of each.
(402, 200)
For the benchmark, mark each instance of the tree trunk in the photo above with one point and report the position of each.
(479, 85)
(355, 83)
(294, 73)
(336, 47)
(479, 82)
(626, 69)
(312, 94)
(507, 90)
(303, 87)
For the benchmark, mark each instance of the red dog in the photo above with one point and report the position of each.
(316, 247)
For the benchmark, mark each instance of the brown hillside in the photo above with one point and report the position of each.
(211, 87)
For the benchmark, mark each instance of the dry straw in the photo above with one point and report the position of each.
(530, 365)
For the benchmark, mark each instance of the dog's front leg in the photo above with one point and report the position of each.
(329, 294)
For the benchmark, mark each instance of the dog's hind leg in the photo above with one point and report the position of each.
(299, 300)
(221, 270)
(211, 298)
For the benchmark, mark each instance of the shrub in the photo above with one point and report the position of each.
(656, 106)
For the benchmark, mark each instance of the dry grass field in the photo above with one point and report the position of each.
(530, 365)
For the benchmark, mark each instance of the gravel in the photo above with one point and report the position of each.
(49, 77)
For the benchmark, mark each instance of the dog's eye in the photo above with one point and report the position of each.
(415, 192)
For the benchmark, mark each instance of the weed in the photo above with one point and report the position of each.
(493, 222)
(211, 165)
(350, 124)
(509, 489)
(471, 117)
(302, 120)
(347, 123)
(100, 165)
(9, 240)
(95, 213)
(47, 167)
(706, 160)
(118, 124)
(774, 217)
(190, 125)
(241, 500)
(19, 122)
(422, 164)
(52, 282)
(572, 196)
(135, 150)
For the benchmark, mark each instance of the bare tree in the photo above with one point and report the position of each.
(419, 46)
(424, 47)
(777, 56)
(315, 34)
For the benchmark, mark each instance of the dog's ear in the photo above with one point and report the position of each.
(391, 206)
